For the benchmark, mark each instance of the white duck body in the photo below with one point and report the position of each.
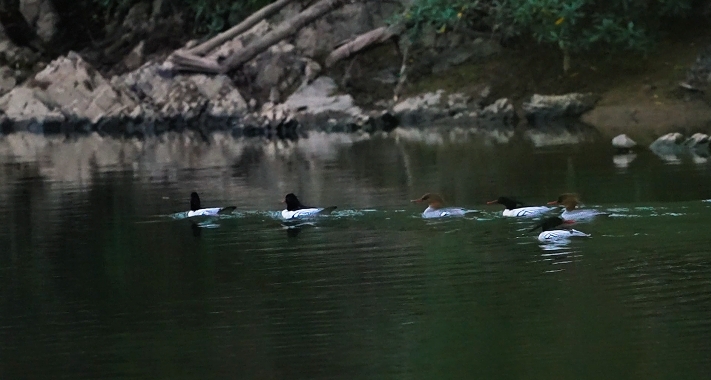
(559, 235)
(301, 213)
(522, 212)
(581, 215)
(442, 212)
(204, 212)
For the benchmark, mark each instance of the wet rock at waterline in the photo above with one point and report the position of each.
(68, 88)
(438, 108)
(623, 143)
(542, 108)
(698, 140)
(669, 144)
(672, 145)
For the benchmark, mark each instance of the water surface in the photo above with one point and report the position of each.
(98, 280)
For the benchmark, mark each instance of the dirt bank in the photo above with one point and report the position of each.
(640, 95)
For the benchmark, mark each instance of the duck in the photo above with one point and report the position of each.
(515, 208)
(295, 209)
(553, 230)
(435, 207)
(571, 212)
(197, 210)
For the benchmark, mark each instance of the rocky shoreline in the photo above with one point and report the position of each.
(285, 93)
(69, 96)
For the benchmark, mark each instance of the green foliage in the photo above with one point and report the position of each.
(440, 14)
(214, 16)
(208, 16)
(572, 25)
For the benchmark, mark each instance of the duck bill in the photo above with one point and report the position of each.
(416, 201)
(492, 202)
(553, 203)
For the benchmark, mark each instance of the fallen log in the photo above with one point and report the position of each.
(240, 28)
(370, 38)
(284, 30)
(187, 60)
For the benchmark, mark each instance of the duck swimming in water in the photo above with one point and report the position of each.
(554, 230)
(571, 212)
(196, 210)
(435, 207)
(295, 209)
(514, 208)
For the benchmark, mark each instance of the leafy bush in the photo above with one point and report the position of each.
(571, 25)
(209, 16)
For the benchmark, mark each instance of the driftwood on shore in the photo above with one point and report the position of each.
(365, 40)
(192, 61)
(240, 28)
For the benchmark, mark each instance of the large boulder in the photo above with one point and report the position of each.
(23, 108)
(318, 104)
(550, 107)
(183, 96)
(77, 89)
(668, 145)
(67, 90)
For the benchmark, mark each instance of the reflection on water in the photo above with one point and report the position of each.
(100, 280)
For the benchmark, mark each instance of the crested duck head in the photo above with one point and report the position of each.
(433, 200)
(292, 202)
(194, 201)
(568, 200)
(509, 203)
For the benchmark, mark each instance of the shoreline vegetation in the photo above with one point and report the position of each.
(277, 68)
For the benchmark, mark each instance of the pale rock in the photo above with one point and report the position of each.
(668, 146)
(623, 142)
(21, 105)
(697, 140)
(318, 97)
(79, 90)
(546, 107)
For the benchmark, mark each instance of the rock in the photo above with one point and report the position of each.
(548, 107)
(623, 142)
(185, 96)
(422, 101)
(318, 97)
(135, 58)
(41, 15)
(498, 115)
(77, 89)
(26, 111)
(697, 140)
(458, 102)
(423, 108)
(670, 144)
(7, 80)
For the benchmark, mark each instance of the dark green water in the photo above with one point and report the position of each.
(97, 281)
